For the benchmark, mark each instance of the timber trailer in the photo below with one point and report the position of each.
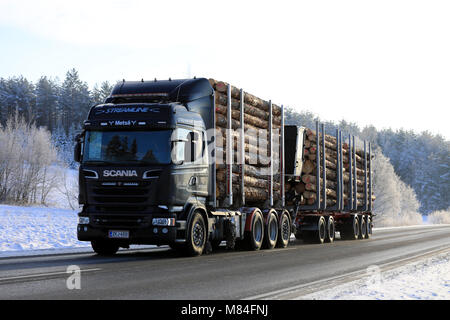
(149, 173)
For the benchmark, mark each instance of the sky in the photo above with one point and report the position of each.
(381, 63)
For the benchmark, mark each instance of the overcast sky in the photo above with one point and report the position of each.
(385, 63)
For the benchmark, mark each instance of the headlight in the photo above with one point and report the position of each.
(83, 220)
(163, 222)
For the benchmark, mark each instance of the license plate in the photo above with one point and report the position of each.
(119, 234)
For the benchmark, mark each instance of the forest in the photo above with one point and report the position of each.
(412, 168)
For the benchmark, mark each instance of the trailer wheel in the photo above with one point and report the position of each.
(350, 230)
(316, 236)
(284, 231)
(254, 237)
(330, 230)
(362, 227)
(271, 232)
(197, 235)
(104, 248)
(369, 227)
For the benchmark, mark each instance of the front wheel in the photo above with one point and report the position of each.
(104, 248)
(197, 235)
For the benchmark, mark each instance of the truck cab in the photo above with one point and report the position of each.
(144, 163)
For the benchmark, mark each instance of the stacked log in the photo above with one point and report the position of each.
(257, 154)
(308, 178)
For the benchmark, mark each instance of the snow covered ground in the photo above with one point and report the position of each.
(423, 280)
(32, 228)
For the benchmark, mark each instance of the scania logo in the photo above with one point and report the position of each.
(119, 173)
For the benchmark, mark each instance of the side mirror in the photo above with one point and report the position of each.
(77, 152)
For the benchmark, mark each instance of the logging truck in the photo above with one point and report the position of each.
(198, 163)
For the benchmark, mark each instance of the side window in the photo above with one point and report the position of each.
(193, 147)
(187, 146)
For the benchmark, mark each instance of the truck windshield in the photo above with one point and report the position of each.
(147, 147)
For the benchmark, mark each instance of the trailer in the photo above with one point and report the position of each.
(194, 163)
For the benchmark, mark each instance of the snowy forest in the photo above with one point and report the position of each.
(411, 169)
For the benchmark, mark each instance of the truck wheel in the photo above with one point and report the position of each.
(104, 248)
(271, 232)
(254, 237)
(316, 236)
(330, 230)
(350, 230)
(362, 227)
(196, 239)
(369, 227)
(284, 231)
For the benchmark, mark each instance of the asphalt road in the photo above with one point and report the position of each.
(163, 274)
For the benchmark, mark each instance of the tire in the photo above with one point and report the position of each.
(316, 236)
(331, 230)
(104, 247)
(284, 231)
(254, 238)
(369, 227)
(350, 230)
(362, 227)
(271, 232)
(196, 235)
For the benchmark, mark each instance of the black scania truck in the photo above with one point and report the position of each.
(148, 176)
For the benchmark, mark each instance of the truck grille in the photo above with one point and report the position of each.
(120, 220)
(119, 195)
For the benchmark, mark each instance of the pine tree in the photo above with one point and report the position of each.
(47, 92)
(74, 101)
(100, 94)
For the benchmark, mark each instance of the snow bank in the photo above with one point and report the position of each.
(35, 228)
(427, 279)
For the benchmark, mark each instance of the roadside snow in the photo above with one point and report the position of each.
(425, 280)
(31, 231)
(36, 228)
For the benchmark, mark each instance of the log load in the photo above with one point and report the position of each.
(256, 144)
(308, 178)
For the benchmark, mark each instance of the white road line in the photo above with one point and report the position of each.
(40, 275)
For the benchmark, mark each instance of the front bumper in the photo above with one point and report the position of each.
(141, 230)
(154, 235)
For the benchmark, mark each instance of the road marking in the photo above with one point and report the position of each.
(40, 275)
(295, 291)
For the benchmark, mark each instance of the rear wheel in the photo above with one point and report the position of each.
(369, 227)
(254, 237)
(316, 236)
(350, 230)
(104, 248)
(284, 231)
(271, 232)
(330, 230)
(362, 227)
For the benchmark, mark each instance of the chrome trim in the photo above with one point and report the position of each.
(95, 172)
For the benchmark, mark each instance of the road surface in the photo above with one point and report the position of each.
(266, 274)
